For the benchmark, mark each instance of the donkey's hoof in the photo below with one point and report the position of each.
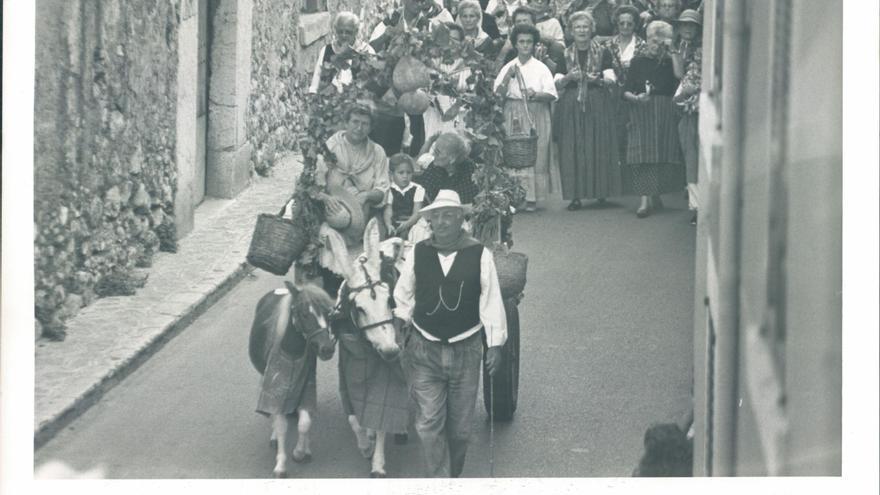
(377, 474)
(367, 452)
(280, 474)
(302, 457)
(401, 438)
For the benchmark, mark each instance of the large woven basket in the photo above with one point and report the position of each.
(520, 151)
(520, 147)
(276, 243)
(511, 268)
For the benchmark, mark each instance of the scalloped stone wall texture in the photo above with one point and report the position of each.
(105, 176)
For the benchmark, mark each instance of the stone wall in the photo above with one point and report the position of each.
(104, 147)
(285, 46)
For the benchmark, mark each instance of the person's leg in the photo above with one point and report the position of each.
(464, 382)
(388, 132)
(428, 385)
(331, 282)
(417, 129)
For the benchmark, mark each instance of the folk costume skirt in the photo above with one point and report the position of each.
(653, 147)
(542, 179)
(587, 140)
(288, 383)
(372, 389)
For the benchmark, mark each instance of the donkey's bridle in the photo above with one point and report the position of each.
(309, 336)
(368, 285)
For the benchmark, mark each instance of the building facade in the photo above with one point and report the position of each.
(144, 109)
(767, 317)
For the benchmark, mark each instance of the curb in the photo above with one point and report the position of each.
(51, 427)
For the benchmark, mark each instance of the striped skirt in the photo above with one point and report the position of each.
(372, 389)
(653, 147)
(588, 145)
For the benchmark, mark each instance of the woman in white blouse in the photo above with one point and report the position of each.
(345, 31)
(540, 93)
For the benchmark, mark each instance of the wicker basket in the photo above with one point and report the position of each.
(511, 269)
(276, 243)
(520, 147)
(520, 151)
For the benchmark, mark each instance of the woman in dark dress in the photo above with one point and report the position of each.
(623, 46)
(653, 149)
(585, 118)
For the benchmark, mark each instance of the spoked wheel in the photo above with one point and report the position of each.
(505, 389)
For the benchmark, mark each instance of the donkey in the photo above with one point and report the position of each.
(371, 380)
(288, 333)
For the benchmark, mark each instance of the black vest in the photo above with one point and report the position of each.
(447, 306)
(402, 207)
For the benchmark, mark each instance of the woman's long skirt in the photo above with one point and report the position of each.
(653, 147)
(538, 180)
(587, 140)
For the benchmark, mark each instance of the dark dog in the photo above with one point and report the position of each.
(668, 452)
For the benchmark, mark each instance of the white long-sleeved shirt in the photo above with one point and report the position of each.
(535, 74)
(493, 319)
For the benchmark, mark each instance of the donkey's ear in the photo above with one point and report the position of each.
(290, 287)
(371, 240)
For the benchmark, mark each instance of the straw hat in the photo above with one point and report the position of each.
(690, 15)
(350, 224)
(446, 198)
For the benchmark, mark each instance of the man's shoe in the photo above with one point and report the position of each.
(694, 219)
(643, 212)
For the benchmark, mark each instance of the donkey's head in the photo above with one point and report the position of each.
(309, 306)
(368, 291)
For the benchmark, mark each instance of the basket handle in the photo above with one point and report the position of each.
(525, 97)
(293, 211)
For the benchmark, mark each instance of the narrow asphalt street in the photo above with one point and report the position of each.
(606, 351)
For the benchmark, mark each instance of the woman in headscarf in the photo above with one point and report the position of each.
(470, 18)
(345, 45)
(584, 123)
(540, 92)
(653, 150)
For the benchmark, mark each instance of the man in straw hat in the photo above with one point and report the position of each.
(448, 296)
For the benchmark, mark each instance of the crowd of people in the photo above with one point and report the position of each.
(609, 86)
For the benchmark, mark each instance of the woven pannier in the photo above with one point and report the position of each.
(511, 268)
(276, 243)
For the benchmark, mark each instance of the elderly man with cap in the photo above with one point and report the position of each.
(447, 297)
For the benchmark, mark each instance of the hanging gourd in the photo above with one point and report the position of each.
(410, 74)
(414, 102)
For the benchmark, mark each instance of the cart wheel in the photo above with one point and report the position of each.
(506, 386)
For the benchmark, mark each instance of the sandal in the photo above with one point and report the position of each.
(574, 205)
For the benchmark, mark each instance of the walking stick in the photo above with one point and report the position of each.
(492, 427)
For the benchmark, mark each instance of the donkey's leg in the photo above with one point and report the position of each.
(363, 441)
(377, 470)
(303, 452)
(280, 430)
